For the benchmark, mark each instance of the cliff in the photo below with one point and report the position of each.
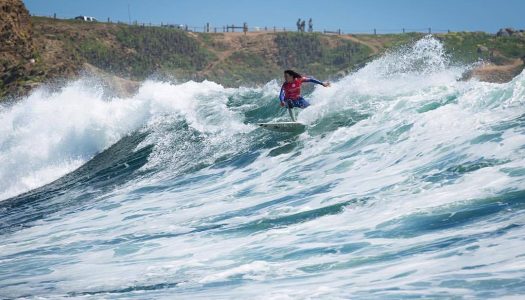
(232, 59)
(38, 50)
(16, 48)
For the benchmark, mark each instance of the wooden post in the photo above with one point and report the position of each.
(375, 31)
(208, 27)
(55, 16)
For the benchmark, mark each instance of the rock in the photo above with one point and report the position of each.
(482, 49)
(510, 30)
(16, 46)
(502, 33)
(505, 32)
(15, 29)
(490, 72)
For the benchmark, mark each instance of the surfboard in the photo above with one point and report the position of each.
(283, 126)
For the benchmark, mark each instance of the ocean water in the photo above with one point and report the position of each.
(407, 183)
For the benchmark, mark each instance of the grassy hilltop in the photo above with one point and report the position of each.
(63, 48)
(137, 52)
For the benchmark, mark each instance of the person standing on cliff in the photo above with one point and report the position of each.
(290, 95)
(299, 25)
(310, 25)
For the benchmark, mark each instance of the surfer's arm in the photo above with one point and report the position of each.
(313, 80)
(282, 95)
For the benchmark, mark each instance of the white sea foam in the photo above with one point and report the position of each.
(416, 173)
(49, 134)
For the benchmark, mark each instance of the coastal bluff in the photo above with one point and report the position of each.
(36, 50)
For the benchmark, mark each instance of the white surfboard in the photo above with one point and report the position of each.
(283, 126)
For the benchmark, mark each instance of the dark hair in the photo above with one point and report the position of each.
(293, 73)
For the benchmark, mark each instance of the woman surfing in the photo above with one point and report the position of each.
(290, 95)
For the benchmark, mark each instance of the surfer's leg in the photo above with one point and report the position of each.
(302, 103)
(290, 111)
(290, 104)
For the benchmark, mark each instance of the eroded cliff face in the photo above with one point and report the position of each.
(17, 50)
(15, 28)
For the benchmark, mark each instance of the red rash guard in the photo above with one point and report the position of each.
(292, 90)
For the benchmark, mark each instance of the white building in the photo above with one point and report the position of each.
(86, 18)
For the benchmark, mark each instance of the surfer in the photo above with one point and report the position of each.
(290, 95)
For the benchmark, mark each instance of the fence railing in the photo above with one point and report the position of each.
(207, 28)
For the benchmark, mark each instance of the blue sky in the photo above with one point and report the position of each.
(349, 15)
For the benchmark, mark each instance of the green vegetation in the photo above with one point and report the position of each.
(177, 50)
(129, 51)
(318, 54)
(389, 41)
(142, 51)
(243, 67)
(465, 45)
(136, 52)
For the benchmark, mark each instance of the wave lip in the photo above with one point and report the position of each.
(50, 134)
